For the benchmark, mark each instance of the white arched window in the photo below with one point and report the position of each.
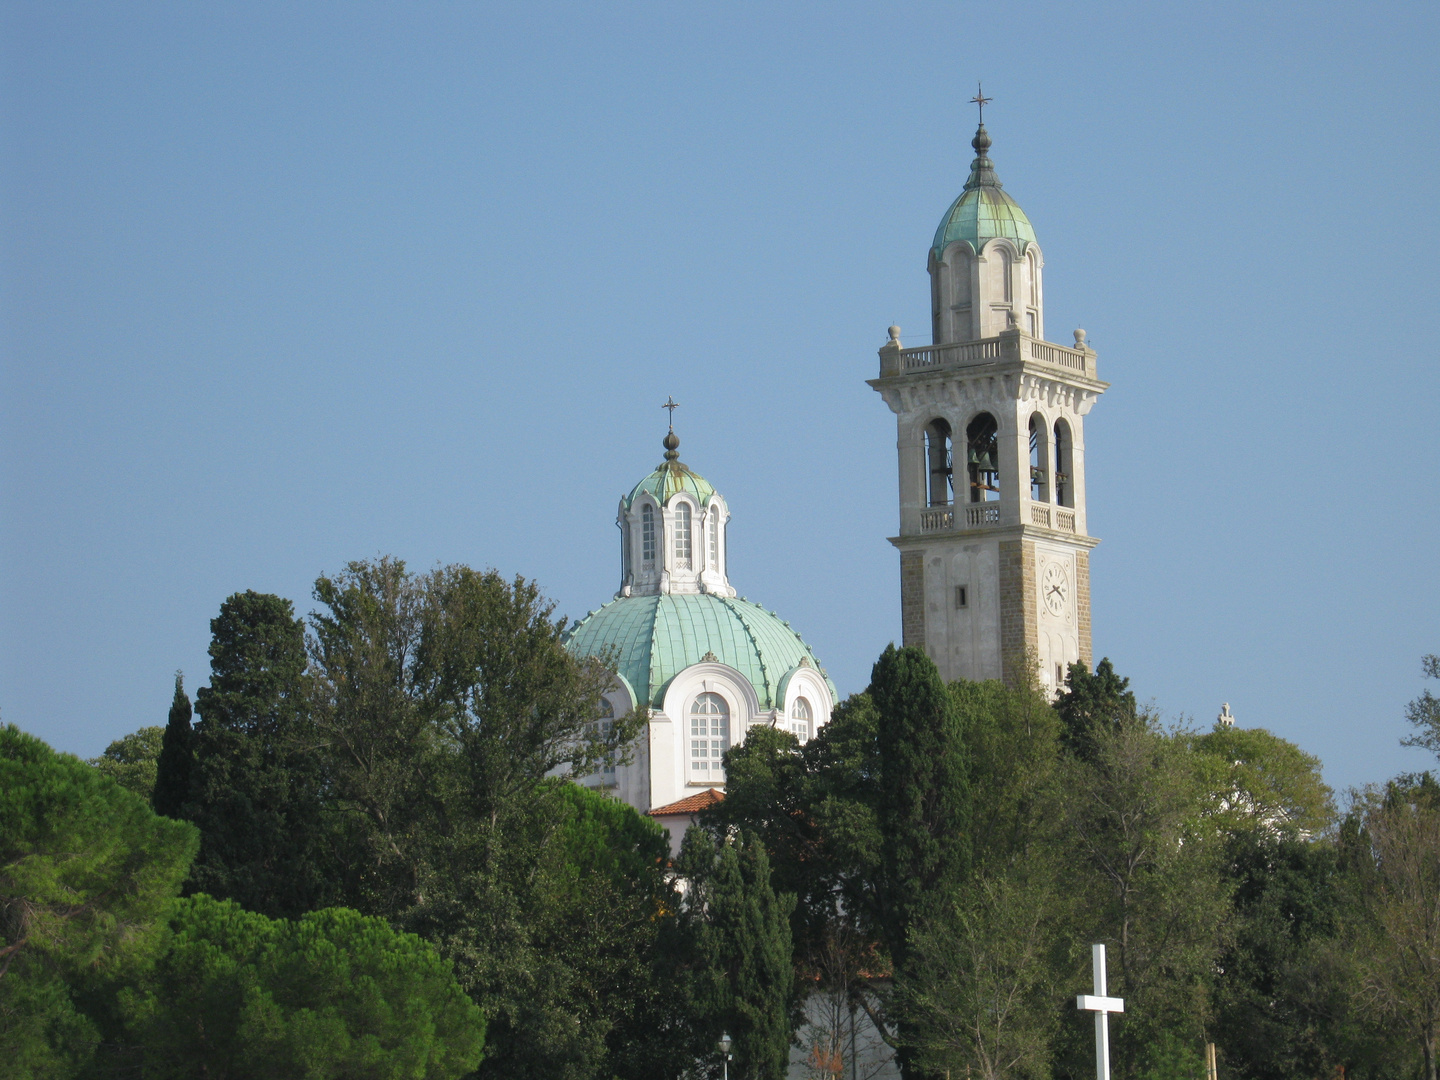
(647, 534)
(714, 531)
(1064, 486)
(604, 727)
(709, 737)
(682, 536)
(800, 719)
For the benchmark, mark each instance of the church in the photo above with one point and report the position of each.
(993, 540)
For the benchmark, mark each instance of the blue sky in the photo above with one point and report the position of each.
(289, 285)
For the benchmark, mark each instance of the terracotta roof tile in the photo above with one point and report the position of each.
(691, 805)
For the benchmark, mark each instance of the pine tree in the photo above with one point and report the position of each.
(172, 777)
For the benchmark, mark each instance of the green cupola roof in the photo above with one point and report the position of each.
(672, 477)
(983, 211)
(654, 638)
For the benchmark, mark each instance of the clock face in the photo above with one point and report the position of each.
(1055, 588)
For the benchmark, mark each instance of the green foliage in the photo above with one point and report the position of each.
(1424, 712)
(1400, 962)
(237, 996)
(1094, 703)
(256, 781)
(1288, 900)
(177, 756)
(923, 800)
(1146, 869)
(741, 981)
(131, 761)
(86, 873)
(1257, 780)
(978, 994)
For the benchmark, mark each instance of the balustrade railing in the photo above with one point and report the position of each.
(971, 352)
(1008, 346)
(982, 514)
(935, 520)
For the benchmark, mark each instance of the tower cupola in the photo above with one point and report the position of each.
(672, 532)
(984, 261)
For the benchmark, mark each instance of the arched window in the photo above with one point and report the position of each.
(647, 535)
(981, 451)
(1064, 487)
(939, 484)
(714, 531)
(709, 737)
(682, 536)
(1039, 457)
(800, 718)
(604, 728)
(999, 258)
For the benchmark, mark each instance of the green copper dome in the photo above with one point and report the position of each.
(983, 211)
(654, 638)
(672, 477)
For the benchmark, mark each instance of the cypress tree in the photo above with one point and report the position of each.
(924, 792)
(744, 981)
(258, 775)
(172, 776)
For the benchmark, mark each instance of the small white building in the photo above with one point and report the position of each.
(709, 665)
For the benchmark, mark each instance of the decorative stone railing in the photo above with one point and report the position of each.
(982, 515)
(1009, 346)
(936, 520)
(1052, 517)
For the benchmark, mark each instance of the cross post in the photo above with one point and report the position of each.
(1102, 1007)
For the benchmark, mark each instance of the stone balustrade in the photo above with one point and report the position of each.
(1009, 346)
(982, 515)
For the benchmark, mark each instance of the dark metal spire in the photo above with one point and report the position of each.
(982, 169)
(671, 441)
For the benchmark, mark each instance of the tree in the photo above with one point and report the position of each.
(130, 761)
(1093, 703)
(177, 756)
(742, 980)
(86, 873)
(1147, 874)
(444, 702)
(978, 993)
(923, 803)
(1401, 975)
(1424, 712)
(1256, 780)
(258, 780)
(237, 996)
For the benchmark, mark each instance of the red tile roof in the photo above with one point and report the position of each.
(692, 805)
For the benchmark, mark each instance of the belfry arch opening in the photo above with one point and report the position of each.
(939, 461)
(1064, 465)
(982, 450)
(1039, 459)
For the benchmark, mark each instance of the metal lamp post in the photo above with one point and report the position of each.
(725, 1045)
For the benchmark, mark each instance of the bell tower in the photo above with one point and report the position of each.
(994, 547)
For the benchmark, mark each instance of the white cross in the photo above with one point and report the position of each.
(1102, 1007)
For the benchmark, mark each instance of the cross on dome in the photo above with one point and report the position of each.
(981, 100)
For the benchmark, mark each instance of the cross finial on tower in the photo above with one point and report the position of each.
(672, 405)
(981, 100)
